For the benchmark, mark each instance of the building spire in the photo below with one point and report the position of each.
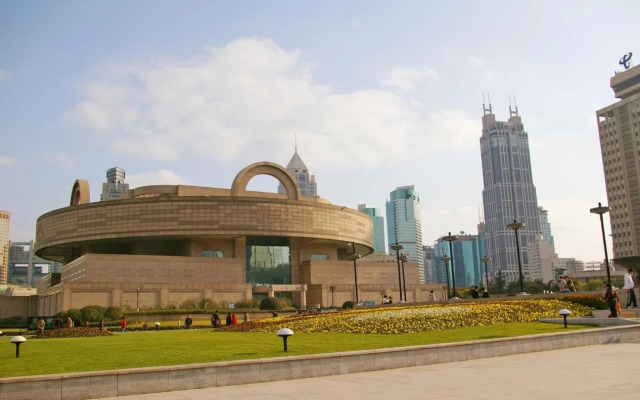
(513, 113)
(295, 141)
(484, 107)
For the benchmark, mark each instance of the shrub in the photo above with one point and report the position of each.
(271, 303)
(348, 304)
(593, 301)
(92, 313)
(13, 322)
(189, 304)
(249, 303)
(112, 313)
(207, 304)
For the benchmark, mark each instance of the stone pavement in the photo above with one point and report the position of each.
(585, 373)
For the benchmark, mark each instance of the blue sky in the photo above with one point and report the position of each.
(380, 94)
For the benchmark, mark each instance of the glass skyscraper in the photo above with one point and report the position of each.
(509, 193)
(545, 226)
(379, 243)
(468, 251)
(404, 225)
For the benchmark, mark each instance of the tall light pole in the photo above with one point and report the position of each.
(601, 210)
(397, 247)
(404, 258)
(137, 299)
(450, 239)
(354, 257)
(446, 259)
(516, 226)
(486, 260)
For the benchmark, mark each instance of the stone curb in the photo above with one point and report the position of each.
(124, 382)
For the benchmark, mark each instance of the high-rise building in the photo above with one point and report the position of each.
(619, 128)
(302, 175)
(509, 193)
(114, 186)
(468, 251)
(25, 268)
(429, 256)
(545, 226)
(379, 243)
(5, 222)
(404, 225)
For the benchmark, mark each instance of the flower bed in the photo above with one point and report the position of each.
(419, 318)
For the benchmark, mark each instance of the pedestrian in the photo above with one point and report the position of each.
(41, 325)
(234, 318)
(123, 324)
(432, 296)
(629, 284)
(214, 319)
(274, 314)
(485, 293)
(228, 319)
(187, 322)
(69, 322)
(145, 326)
(570, 284)
(562, 285)
(612, 299)
(101, 324)
(475, 293)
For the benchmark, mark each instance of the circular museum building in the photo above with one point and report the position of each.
(161, 246)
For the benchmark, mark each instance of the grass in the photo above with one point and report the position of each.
(144, 349)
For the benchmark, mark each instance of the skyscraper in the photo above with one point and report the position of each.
(619, 128)
(509, 193)
(302, 175)
(379, 243)
(114, 186)
(545, 226)
(468, 251)
(403, 223)
(5, 222)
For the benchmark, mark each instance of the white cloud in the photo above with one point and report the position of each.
(60, 159)
(5, 161)
(159, 177)
(406, 79)
(477, 62)
(243, 102)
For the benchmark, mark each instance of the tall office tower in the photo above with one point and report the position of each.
(509, 193)
(468, 251)
(429, 256)
(5, 222)
(619, 127)
(302, 175)
(545, 225)
(404, 225)
(115, 186)
(379, 244)
(25, 268)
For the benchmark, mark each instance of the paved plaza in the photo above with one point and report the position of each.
(588, 373)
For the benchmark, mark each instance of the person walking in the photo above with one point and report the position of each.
(629, 284)
(612, 299)
(228, 319)
(187, 322)
(123, 324)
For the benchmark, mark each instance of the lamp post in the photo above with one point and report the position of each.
(397, 247)
(446, 259)
(601, 210)
(516, 226)
(404, 258)
(486, 260)
(332, 289)
(450, 239)
(137, 299)
(354, 257)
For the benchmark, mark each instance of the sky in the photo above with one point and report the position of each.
(376, 95)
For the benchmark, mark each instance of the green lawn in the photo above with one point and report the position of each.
(143, 349)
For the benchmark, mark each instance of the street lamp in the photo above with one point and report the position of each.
(601, 210)
(446, 259)
(354, 257)
(516, 226)
(397, 247)
(332, 289)
(450, 239)
(137, 299)
(404, 258)
(486, 260)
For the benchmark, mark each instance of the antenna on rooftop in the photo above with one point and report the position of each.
(484, 107)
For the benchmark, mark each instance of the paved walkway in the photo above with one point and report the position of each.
(585, 373)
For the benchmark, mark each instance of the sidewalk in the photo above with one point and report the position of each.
(588, 373)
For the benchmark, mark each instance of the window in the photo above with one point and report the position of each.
(213, 253)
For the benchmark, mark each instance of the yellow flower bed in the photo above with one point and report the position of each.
(418, 318)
